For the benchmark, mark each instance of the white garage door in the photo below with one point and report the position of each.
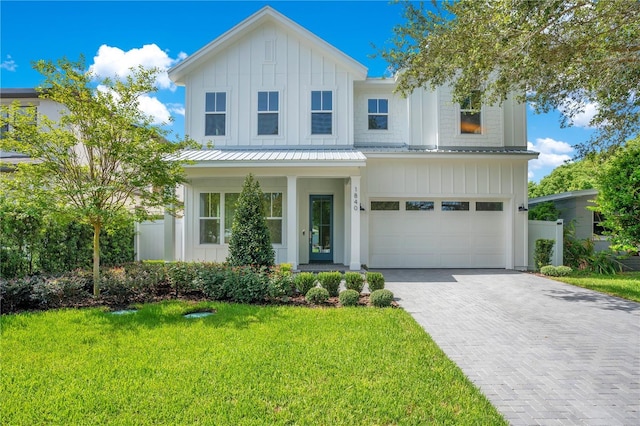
(437, 234)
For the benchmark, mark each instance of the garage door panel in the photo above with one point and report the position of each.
(437, 239)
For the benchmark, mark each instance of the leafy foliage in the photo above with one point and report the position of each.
(281, 282)
(317, 295)
(381, 298)
(555, 271)
(100, 157)
(250, 242)
(246, 285)
(354, 281)
(542, 253)
(557, 54)
(544, 211)
(330, 281)
(305, 281)
(568, 177)
(619, 196)
(349, 297)
(375, 281)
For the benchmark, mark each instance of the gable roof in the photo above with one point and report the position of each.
(266, 14)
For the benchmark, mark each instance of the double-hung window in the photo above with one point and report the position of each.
(321, 112)
(273, 212)
(210, 218)
(378, 114)
(215, 114)
(470, 114)
(268, 111)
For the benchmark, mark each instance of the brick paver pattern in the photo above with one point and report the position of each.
(543, 352)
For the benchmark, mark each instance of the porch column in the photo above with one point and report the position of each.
(292, 221)
(169, 237)
(355, 264)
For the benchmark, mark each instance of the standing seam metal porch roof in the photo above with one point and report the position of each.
(272, 155)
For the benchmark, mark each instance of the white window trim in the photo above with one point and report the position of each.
(460, 110)
(280, 112)
(377, 98)
(227, 113)
(334, 113)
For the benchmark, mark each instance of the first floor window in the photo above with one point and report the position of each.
(455, 206)
(488, 206)
(385, 205)
(321, 112)
(378, 114)
(215, 114)
(210, 218)
(268, 109)
(470, 118)
(217, 211)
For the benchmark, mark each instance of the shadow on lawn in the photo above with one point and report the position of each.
(172, 313)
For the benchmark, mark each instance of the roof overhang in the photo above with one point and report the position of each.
(272, 158)
(564, 196)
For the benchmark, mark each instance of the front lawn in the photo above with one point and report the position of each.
(625, 285)
(243, 365)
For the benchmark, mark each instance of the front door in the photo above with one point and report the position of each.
(321, 228)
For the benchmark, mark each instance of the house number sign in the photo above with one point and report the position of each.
(356, 204)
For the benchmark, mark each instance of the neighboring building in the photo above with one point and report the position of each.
(353, 173)
(574, 208)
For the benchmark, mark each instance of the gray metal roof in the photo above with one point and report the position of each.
(273, 155)
(406, 149)
(18, 93)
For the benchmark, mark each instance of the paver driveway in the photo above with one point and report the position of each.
(542, 351)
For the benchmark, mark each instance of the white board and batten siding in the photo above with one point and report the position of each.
(440, 238)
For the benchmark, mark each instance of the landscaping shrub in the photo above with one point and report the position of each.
(304, 282)
(317, 295)
(286, 267)
(375, 281)
(604, 262)
(246, 285)
(280, 283)
(59, 291)
(250, 243)
(15, 294)
(549, 270)
(330, 281)
(542, 253)
(381, 298)
(211, 280)
(116, 283)
(349, 297)
(148, 277)
(563, 270)
(354, 281)
(182, 276)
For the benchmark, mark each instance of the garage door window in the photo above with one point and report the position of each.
(488, 206)
(385, 205)
(455, 206)
(419, 205)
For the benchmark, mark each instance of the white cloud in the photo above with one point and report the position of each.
(582, 118)
(176, 109)
(9, 64)
(116, 63)
(148, 105)
(552, 154)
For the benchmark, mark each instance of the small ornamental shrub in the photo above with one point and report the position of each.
(304, 282)
(354, 281)
(15, 294)
(317, 295)
(212, 282)
(286, 267)
(280, 283)
(542, 253)
(246, 285)
(375, 280)
(56, 292)
(549, 270)
(563, 270)
(148, 277)
(381, 298)
(182, 276)
(349, 297)
(117, 284)
(330, 281)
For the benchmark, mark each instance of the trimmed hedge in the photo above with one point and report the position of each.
(330, 281)
(349, 297)
(381, 298)
(375, 281)
(317, 295)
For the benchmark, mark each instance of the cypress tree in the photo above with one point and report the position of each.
(250, 242)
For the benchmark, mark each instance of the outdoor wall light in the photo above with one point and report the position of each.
(522, 208)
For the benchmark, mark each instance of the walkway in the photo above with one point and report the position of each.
(543, 352)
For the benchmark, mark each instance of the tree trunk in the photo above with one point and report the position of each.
(96, 259)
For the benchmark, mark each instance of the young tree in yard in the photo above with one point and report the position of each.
(103, 159)
(250, 242)
(619, 196)
(559, 54)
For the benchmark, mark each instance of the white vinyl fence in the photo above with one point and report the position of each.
(550, 230)
(150, 240)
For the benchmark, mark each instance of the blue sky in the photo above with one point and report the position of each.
(118, 34)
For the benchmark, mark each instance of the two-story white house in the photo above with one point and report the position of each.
(352, 172)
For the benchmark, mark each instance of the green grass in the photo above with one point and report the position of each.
(625, 285)
(245, 365)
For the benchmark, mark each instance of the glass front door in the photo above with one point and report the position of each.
(321, 228)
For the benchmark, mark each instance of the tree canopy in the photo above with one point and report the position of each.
(557, 54)
(574, 176)
(102, 160)
(619, 195)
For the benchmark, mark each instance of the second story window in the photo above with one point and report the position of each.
(215, 114)
(378, 114)
(321, 112)
(470, 118)
(268, 109)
